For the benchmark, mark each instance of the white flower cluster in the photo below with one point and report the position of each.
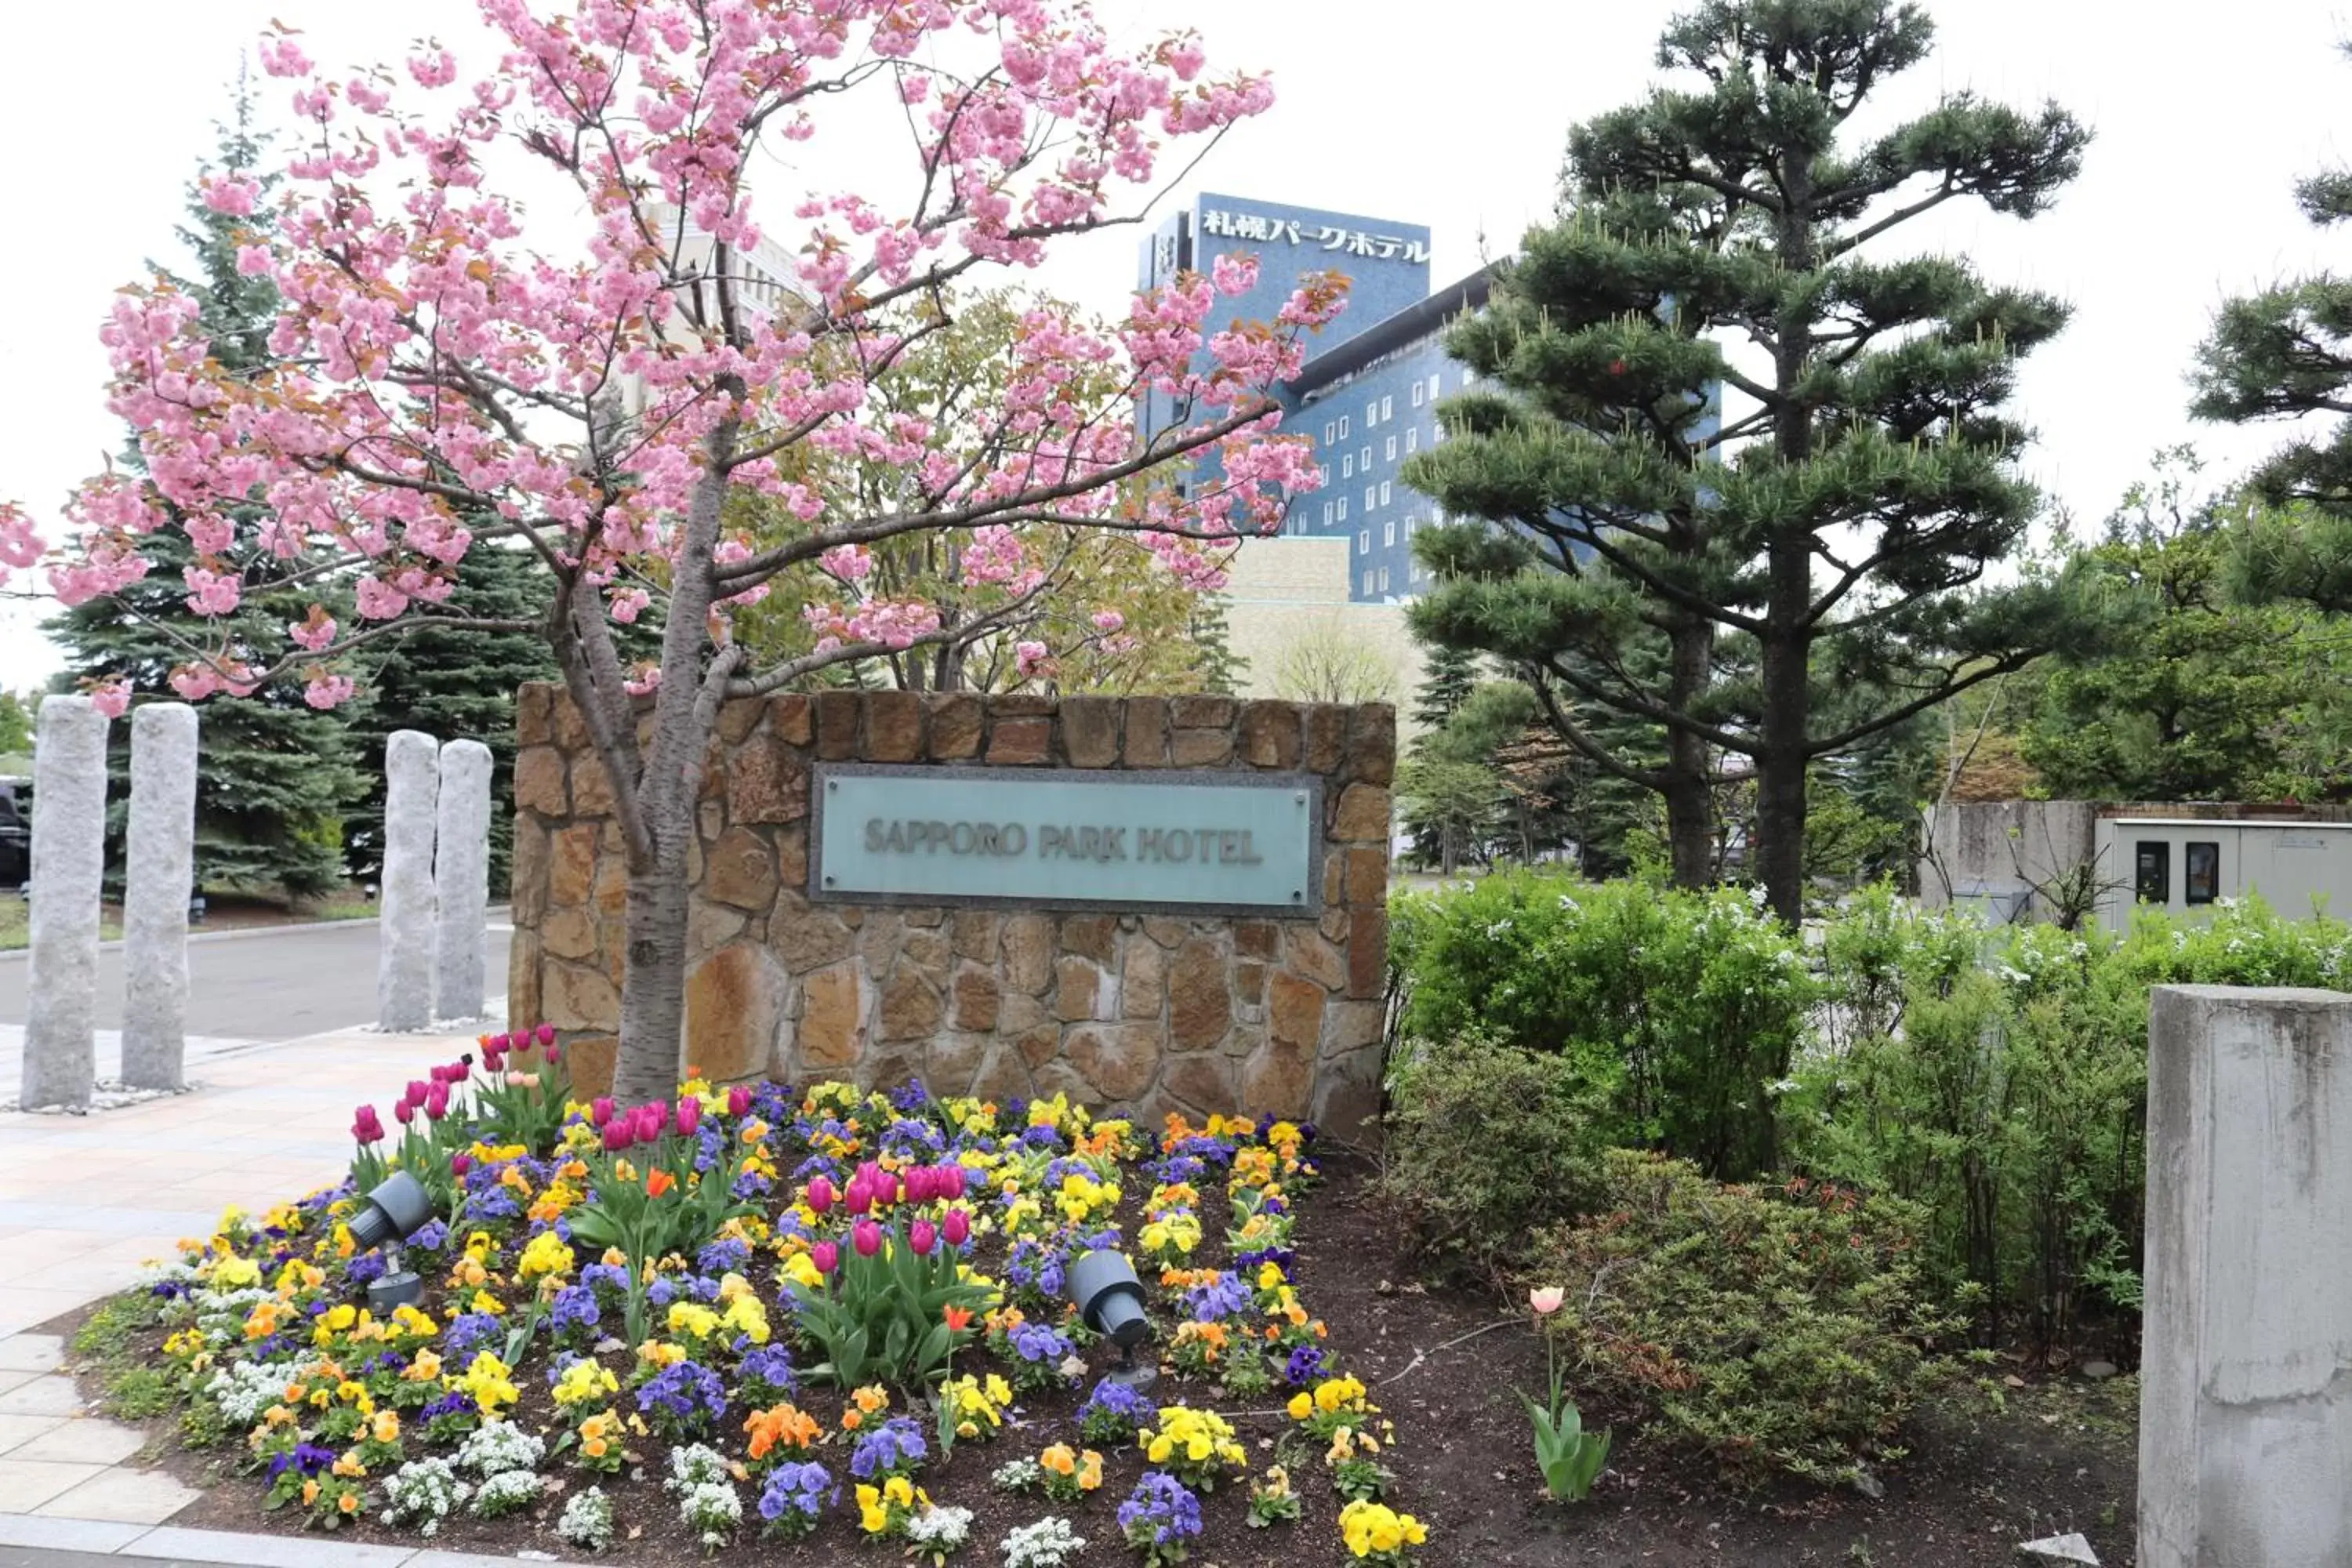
(499, 1447)
(711, 1510)
(695, 1465)
(938, 1531)
(245, 1389)
(421, 1494)
(1017, 1475)
(508, 1491)
(1049, 1543)
(587, 1520)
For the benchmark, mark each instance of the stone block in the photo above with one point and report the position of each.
(956, 725)
(710, 927)
(1306, 953)
(1163, 930)
(571, 725)
(1040, 1044)
(1142, 981)
(1202, 712)
(528, 869)
(738, 717)
(1002, 1076)
(925, 946)
(1295, 1016)
(159, 853)
(1371, 744)
(790, 718)
(1144, 742)
(1091, 936)
(1347, 1094)
(1249, 982)
(952, 1062)
(832, 1030)
(973, 935)
(838, 714)
(1326, 737)
(740, 870)
(611, 892)
(1203, 1084)
(894, 727)
(532, 727)
(461, 880)
(1090, 731)
(1272, 735)
(569, 933)
(2245, 1431)
(591, 786)
(791, 859)
(912, 1007)
(1118, 1061)
(1361, 814)
(1367, 876)
(1200, 748)
(1077, 985)
(766, 782)
(1199, 997)
(977, 1000)
(412, 766)
(1020, 742)
(1257, 939)
(732, 1002)
(538, 783)
(522, 978)
(1351, 1026)
(592, 1058)
(1278, 1080)
(1368, 951)
(1023, 705)
(575, 997)
(806, 937)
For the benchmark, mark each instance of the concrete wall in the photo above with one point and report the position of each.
(2245, 1456)
(1281, 591)
(1147, 1014)
(1994, 852)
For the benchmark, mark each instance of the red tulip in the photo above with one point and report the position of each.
(826, 1255)
(739, 1101)
(867, 1236)
(600, 1109)
(956, 1227)
(460, 1162)
(922, 1236)
(820, 1195)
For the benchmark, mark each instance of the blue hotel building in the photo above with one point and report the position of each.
(1367, 393)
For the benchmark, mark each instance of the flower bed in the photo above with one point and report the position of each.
(805, 1320)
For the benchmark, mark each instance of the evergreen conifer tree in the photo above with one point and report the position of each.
(1221, 669)
(273, 775)
(1448, 676)
(1830, 535)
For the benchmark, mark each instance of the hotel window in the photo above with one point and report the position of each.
(1389, 535)
(1348, 466)
(2152, 873)
(1343, 426)
(1388, 405)
(1368, 579)
(1330, 432)
(1323, 472)
(1417, 392)
(1385, 492)
(1372, 497)
(1343, 509)
(1364, 542)
(1327, 514)
(1371, 412)
(1365, 458)
(1384, 579)
(2200, 879)
(1391, 453)
(1412, 437)
(1433, 389)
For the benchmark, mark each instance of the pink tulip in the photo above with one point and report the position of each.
(826, 1255)
(820, 1195)
(867, 1236)
(600, 1109)
(690, 1115)
(547, 1034)
(617, 1136)
(922, 1236)
(739, 1101)
(436, 1101)
(647, 1122)
(958, 1180)
(859, 1197)
(551, 1053)
(402, 1111)
(956, 1227)
(459, 1164)
(416, 1087)
(1547, 1300)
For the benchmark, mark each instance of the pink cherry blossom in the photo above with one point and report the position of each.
(111, 696)
(325, 690)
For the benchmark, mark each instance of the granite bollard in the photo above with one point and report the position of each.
(68, 865)
(156, 884)
(404, 984)
(461, 880)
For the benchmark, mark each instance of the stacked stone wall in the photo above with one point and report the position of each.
(1145, 1013)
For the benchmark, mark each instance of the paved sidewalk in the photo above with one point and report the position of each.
(28, 1541)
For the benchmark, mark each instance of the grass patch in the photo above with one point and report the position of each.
(16, 924)
(138, 1393)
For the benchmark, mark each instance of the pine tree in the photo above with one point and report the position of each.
(1222, 670)
(1830, 537)
(1448, 676)
(273, 775)
(453, 686)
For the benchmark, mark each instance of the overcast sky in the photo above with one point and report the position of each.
(1456, 116)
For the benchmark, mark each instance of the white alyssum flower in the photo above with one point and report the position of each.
(245, 1389)
(498, 1448)
(421, 1494)
(508, 1491)
(1017, 1475)
(940, 1531)
(1049, 1543)
(587, 1520)
(695, 1465)
(711, 1510)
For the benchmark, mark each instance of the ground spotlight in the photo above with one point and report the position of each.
(395, 1210)
(1109, 1299)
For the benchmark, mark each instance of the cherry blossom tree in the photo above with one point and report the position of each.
(450, 373)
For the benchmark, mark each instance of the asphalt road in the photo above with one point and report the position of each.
(276, 985)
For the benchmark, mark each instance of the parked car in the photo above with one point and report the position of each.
(16, 834)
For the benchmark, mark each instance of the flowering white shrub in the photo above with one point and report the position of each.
(587, 1520)
(421, 1494)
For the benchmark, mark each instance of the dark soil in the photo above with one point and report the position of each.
(1993, 1466)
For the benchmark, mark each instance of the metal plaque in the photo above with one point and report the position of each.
(1178, 841)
